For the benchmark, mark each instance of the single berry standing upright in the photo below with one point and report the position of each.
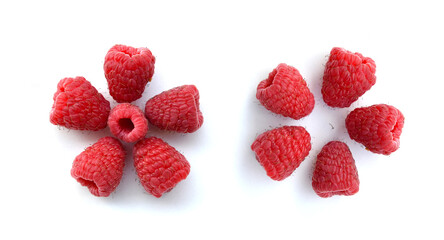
(127, 122)
(377, 127)
(347, 76)
(128, 70)
(78, 105)
(335, 171)
(100, 166)
(176, 109)
(281, 150)
(159, 166)
(285, 92)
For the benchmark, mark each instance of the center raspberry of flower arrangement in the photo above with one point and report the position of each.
(127, 122)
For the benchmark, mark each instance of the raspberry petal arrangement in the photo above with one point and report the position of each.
(78, 105)
(347, 76)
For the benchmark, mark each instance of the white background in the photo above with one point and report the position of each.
(225, 49)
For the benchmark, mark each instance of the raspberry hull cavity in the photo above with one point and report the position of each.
(127, 122)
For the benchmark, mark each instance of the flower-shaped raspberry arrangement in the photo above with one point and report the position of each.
(347, 77)
(78, 105)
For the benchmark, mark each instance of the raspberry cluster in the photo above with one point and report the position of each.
(160, 167)
(78, 105)
(347, 76)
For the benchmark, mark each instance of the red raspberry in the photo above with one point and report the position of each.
(159, 166)
(335, 171)
(285, 92)
(78, 105)
(176, 109)
(281, 150)
(377, 127)
(127, 122)
(128, 70)
(347, 76)
(100, 166)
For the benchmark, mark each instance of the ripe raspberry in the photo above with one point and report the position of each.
(176, 109)
(347, 76)
(128, 70)
(335, 171)
(281, 150)
(285, 92)
(159, 166)
(377, 127)
(127, 122)
(100, 166)
(78, 105)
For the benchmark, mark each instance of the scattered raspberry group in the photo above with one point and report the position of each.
(78, 105)
(347, 76)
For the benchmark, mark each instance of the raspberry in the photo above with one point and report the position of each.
(281, 150)
(127, 122)
(159, 166)
(78, 105)
(285, 92)
(335, 171)
(176, 109)
(100, 166)
(347, 76)
(377, 127)
(128, 70)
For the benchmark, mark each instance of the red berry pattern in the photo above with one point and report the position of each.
(347, 76)
(160, 167)
(78, 105)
